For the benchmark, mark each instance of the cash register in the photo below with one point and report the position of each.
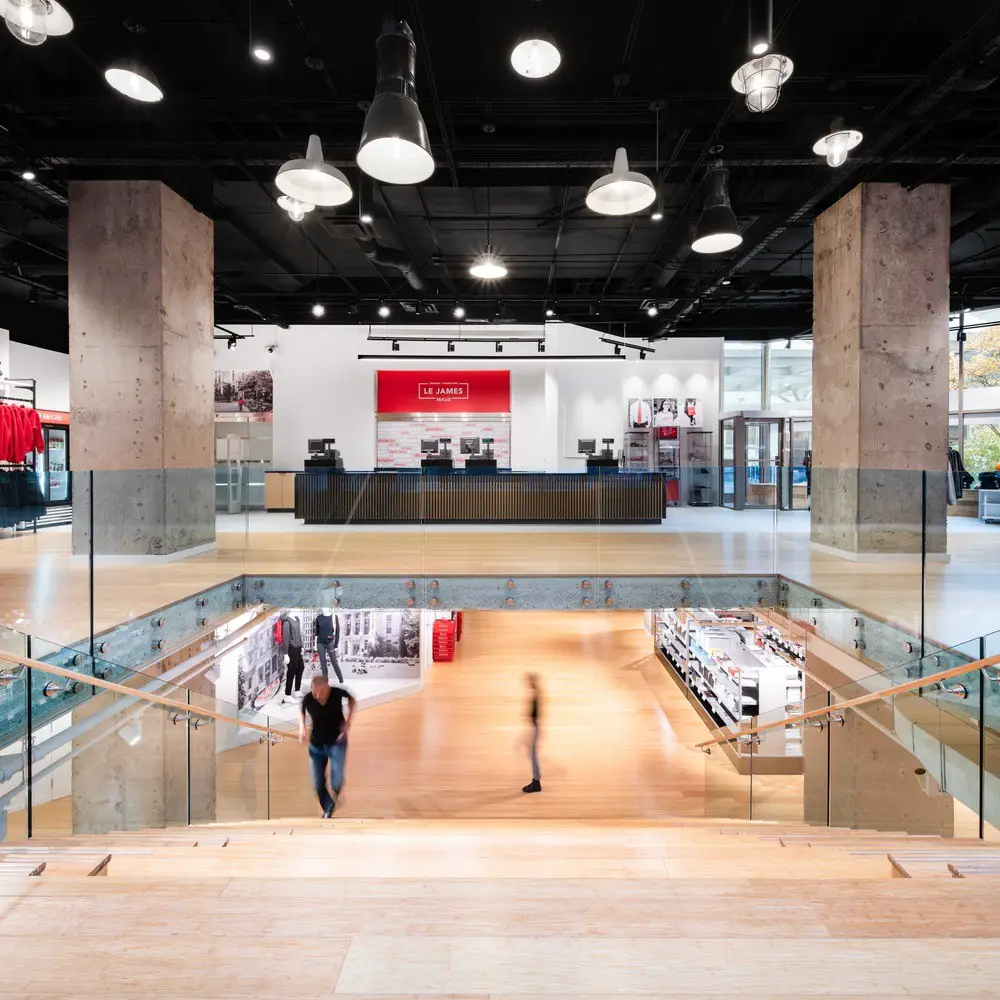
(323, 455)
(605, 460)
(476, 461)
(436, 454)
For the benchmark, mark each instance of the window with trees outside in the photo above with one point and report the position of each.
(978, 359)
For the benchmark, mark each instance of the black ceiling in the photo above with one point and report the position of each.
(916, 76)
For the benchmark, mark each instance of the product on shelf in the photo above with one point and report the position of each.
(739, 667)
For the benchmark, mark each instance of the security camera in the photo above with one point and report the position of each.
(272, 348)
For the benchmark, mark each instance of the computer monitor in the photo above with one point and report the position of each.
(315, 446)
(429, 446)
(469, 446)
(586, 446)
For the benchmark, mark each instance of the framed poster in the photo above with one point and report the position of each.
(640, 414)
(665, 411)
(244, 391)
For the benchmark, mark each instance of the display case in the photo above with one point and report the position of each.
(666, 458)
(636, 455)
(699, 473)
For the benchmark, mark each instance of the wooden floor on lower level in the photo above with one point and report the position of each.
(46, 591)
(617, 736)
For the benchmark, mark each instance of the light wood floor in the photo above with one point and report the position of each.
(45, 591)
(618, 737)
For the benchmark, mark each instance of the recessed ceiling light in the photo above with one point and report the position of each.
(366, 218)
(28, 175)
(459, 312)
(725, 281)
(657, 216)
(535, 55)
(550, 313)
(318, 310)
(262, 54)
(135, 80)
(384, 311)
(652, 311)
(622, 192)
(313, 180)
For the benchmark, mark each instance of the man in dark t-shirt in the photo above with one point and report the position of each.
(323, 707)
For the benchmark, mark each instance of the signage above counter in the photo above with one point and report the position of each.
(440, 392)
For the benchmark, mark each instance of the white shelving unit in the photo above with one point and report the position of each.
(739, 669)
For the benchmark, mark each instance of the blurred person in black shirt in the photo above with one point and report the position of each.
(323, 715)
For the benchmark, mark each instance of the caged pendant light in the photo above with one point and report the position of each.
(622, 192)
(761, 78)
(718, 230)
(837, 143)
(394, 145)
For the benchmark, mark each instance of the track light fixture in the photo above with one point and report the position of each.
(541, 347)
(28, 174)
(622, 192)
(135, 80)
(312, 180)
(318, 310)
(451, 346)
(459, 312)
(642, 355)
(384, 311)
(652, 310)
(550, 313)
(394, 145)
(395, 345)
(618, 348)
(499, 347)
(32, 21)
(761, 78)
(837, 143)
(232, 342)
(718, 230)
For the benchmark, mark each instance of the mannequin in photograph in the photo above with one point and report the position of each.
(327, 641)
(291, 646)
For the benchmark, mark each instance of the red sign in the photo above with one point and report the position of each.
(54, 417)
(443, 392)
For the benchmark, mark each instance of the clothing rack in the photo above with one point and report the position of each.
(29, 386)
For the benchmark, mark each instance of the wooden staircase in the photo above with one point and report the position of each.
(672, 909)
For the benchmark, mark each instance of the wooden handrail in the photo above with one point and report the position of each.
(75, 675)
(817, 713)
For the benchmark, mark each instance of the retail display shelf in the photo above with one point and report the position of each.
(736, 667)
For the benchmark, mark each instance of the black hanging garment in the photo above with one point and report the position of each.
(21, 497)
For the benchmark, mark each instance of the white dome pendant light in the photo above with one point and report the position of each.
(838, 143)
(488, 266)
(718, 230)
(32, 21)
(313, 180)
(394, 145)
(535, 54)
(135, 80)
(761, 78)
(622, 192)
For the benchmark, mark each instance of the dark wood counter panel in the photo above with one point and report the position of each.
(494, 497)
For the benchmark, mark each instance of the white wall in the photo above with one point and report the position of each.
(321, 389)
(50, 368)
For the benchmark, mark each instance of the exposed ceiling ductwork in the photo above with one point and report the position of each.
(385, 256)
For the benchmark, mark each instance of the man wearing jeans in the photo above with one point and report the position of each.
(323, 706)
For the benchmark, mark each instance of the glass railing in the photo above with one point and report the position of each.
(77, 757)
(920, 761)
(869, 545)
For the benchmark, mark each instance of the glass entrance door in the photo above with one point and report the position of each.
(762, 462)
(728, 463)
(800, 464)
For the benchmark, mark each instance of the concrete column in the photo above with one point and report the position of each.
(141, 322)
(880, 370)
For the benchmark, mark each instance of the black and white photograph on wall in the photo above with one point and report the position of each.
(664, 411)
(248, 391)
(261, 667)
(380, 643)
(640, 414)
